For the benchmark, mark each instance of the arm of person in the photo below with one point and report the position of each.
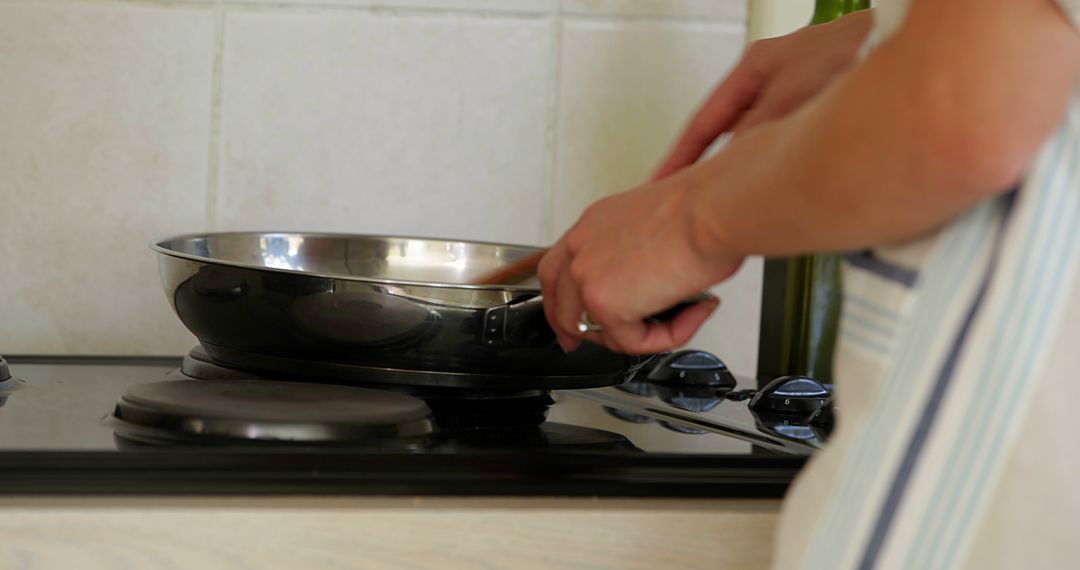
(947, 112)
(773, 78)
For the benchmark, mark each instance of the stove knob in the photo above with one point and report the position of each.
(790, 395)
(822, 418)
(694, 368)
(641, 373)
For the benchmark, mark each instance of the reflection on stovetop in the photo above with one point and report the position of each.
(7, 383)
(58, 434)
(61, 405)
(687, 392)
(692, 392)
(550, 435)
(639, 402)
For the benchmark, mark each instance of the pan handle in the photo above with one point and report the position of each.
(522, 322)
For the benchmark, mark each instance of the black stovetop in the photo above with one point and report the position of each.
(57, 435)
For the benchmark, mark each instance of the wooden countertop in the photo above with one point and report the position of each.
(209, 533)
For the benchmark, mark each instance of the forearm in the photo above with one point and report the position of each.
(948, 112)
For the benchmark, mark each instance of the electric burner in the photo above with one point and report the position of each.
(268, 412)
(455, 405)
(227, 411)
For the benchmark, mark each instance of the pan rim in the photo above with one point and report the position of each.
(158, 247)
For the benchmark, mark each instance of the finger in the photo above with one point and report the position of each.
(750, 119)
(653, 337)
(780, 102)
(665, 336)
(621, 337)
(551, 267)
(568, 311)
(764, 111)
(723, 108)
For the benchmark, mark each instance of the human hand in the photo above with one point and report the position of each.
(774, 77)
(638, 253)
(630, 256)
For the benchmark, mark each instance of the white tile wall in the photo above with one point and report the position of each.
(733, 10)
(417, 125)
(104, 126)
(122, 120)
(468, 6)
(626, 89)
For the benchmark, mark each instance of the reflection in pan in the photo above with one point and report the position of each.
(360, 317)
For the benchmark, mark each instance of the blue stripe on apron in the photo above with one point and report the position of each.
(869, 261)
(930, 413)
(903, 476)
(962, 242)
(988, 415)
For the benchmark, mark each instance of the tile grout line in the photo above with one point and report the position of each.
(213, 174)
(552, 134)
(407, 10)
(190, 4)
(384, 10)
(721, 22)
(314, 7)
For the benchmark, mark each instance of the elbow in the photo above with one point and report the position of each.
(976, 138)
(980, 100)
(976, 162)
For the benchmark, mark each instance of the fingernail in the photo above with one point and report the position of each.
(568, 344)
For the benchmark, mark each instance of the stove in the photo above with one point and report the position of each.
(228, 423)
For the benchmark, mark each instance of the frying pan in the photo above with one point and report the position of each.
(402, 305)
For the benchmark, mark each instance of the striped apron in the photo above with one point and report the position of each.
(956, 422)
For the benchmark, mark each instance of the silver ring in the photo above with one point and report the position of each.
(584, 326)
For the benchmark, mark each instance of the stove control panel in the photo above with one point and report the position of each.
(692, 368)
(795, 407)
(790, 395)
(692, 391)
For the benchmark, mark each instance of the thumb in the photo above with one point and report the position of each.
(715, 117)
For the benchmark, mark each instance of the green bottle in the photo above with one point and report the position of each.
(829, 10)
(813, 295)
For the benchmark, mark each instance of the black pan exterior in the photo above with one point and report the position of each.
(236, 306)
